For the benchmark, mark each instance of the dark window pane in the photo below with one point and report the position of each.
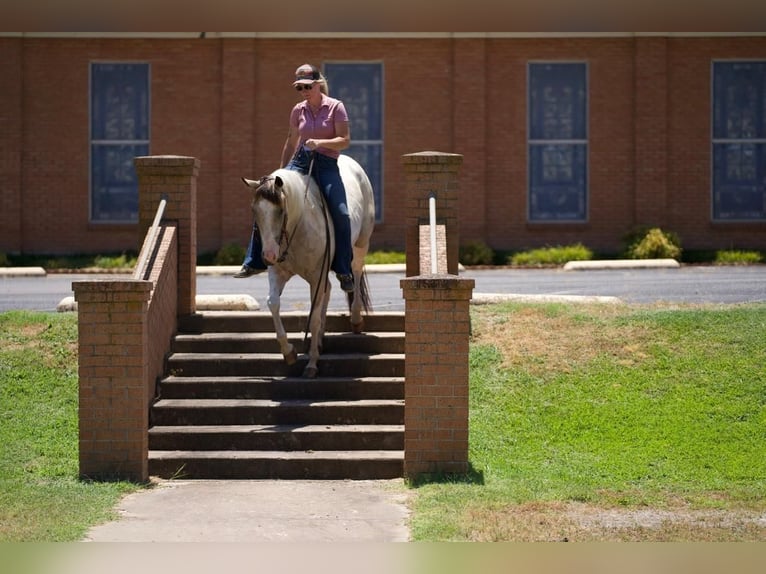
(119, 132)
(557, 115)
(360, 87)
(113, 182)
(557, 101)
(557, 182)
(739, 181)
(120, 102)
(739, 100)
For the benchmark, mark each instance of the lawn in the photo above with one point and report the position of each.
(610, 422)
(588, 422)
(41, 496)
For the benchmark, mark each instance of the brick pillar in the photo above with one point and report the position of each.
(113, 372)
(173, 178)
(426, 173)
(437, 330)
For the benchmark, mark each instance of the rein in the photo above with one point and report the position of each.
(283, 234)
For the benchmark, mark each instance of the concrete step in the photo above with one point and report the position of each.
(284, 465)
(262, 342)
(230, 407)
(176, 412)
(294, 321)
(277, 388)
(273, 364)
(277, 437)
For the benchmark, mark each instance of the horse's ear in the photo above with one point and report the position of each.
(278, 182)
(250, 182)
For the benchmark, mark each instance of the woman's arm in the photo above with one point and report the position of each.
(290, 144)
(340, 142)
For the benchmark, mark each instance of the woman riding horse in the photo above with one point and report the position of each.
(321, 124)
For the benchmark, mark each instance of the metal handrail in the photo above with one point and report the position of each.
(432, 222)
(149, 246)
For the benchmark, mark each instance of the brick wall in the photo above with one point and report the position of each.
(113, 377)
(11, 145)
(226, 101)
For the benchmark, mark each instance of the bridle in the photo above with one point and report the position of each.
(283, 234)
(288, 238)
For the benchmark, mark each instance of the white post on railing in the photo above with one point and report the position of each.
(432, 225)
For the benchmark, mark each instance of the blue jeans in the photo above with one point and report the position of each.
(327, 176)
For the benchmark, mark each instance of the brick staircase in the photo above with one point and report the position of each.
(230, 407)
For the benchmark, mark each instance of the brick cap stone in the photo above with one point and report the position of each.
(111, 285)
(146, 163)
(432, 157)
(168, 159)
(462, 288)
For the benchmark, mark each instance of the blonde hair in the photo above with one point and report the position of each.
(323, 86)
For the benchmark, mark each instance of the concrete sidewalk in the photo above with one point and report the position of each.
(304, 511)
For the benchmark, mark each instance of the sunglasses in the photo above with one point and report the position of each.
(301, 87)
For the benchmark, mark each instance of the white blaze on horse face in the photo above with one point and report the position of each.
(268, 217)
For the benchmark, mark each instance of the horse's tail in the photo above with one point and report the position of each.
(364, 293)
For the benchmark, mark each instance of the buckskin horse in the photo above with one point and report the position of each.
(297, 238)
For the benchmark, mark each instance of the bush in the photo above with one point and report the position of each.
(552, 255)
(735, 257)
(385, 257)
(231, 254)
(115, 262)
(476, 253)
(655, 244)
(4, 261)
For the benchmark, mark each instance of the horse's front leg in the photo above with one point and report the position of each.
(277, 281)
(317, 326)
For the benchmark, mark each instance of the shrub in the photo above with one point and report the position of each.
(552, 255)
(385, 257)
(735, 257)
(4, 261)
(231, 254)
(115, 262)
(476, 253)
(655, 244)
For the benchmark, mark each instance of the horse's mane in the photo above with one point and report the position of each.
(267, 185)
(267, 189)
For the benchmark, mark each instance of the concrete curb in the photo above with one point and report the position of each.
(204, 303)
(488, 298)
(22, 272)
(622, 264)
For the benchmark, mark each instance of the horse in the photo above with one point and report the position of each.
(297, 238)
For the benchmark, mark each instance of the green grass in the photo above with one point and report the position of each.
(737, 257)
(557, 255)
(384, 257)
(41, 496)
(631, 408)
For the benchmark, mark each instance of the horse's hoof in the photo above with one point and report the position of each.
(291, 357)
(357, 327)
(310, 372)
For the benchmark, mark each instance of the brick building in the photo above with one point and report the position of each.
(566, 137)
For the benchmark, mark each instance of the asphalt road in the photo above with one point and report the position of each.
(691, 284)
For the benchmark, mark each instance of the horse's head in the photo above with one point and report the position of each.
(270, 214)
